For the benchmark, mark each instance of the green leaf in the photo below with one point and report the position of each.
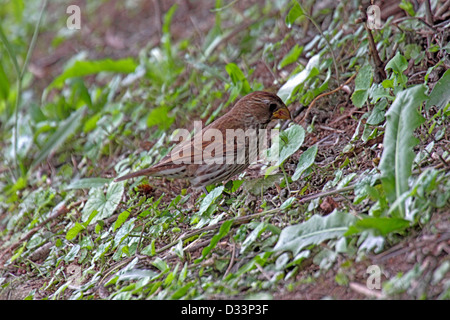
(377, 115)
(287, 90)
(287, 143)
(398, 155)
(210, 198)
(223, 231)
(440, 96)
(381, 225)
(305, 161)
(251, 238)
(84, 68)
(88, 183)
(408, 7)
(159, 116)
(74, 231)
(238, 78)
(104, 204)
(121, 219)
(65, 129)
(295, 12)
(363, 82)
(314, 231)
(288, 203)
(398, 64)
(291, 57)
(4, 84)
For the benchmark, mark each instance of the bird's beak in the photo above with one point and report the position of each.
(282, 113)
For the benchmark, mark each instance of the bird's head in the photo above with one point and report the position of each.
(260, 108)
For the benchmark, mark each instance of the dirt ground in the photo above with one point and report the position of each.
(117, 33)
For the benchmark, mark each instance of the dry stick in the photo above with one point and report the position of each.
(376, 57)
(231, 260)
(443, 9)
(429, 19)
(362, 289)
(326, 94)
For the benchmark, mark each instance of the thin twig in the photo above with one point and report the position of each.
(231, 260)
(366, 291)
(326, 94)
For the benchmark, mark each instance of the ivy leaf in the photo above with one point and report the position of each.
(286, 144)
(398, 64)
(304, 162)
(210, 198)
(363, 82)
(104, 204)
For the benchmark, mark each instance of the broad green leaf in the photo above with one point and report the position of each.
(289, 87)
(314, 231)
(363, 82)
(364, 78)
(65, 129)
(440, 96)
(304, 162)
(104, 204)
(210, 198)
(295, 12)
(287, 143)
(398, 63)
(88, 183)
(377, 115)
(291, 56)
(381, 225)
(84, 68)
(398, 155)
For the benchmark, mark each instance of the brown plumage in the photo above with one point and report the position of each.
(252, 112)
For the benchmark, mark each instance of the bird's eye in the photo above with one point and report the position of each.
(272, 107)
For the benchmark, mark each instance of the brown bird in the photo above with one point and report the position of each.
(204, 160)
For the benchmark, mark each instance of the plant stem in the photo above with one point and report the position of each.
(20, 74)
(328, 44)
